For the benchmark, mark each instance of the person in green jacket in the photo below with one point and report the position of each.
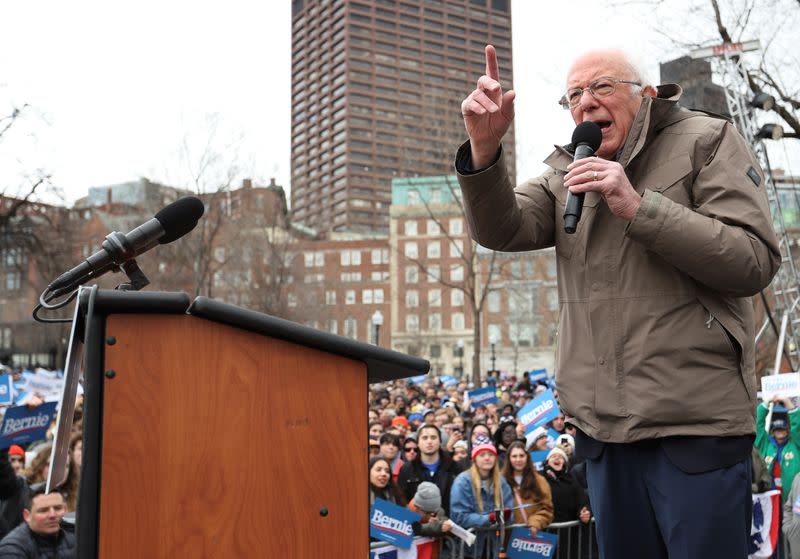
(780, 447)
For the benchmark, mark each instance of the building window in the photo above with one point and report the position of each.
(457, 321)
(432, 227)
(520, 334)
(330, 297)
(494, 301)
(456, 226)
(350, 327)
(433, 273)
(412, 323)
(412, 298)
(411, 250)
(434, 322)
(552, 299)
(292, 298)
(350, 297)
(456, 298)
(457, 273)
(456, 248)
(435, 351)
(410, 228)
(377, 296)
(376, 256)
(333, 326)
(308, 259)
(495, 332)
(435, 298)
(434, 249)
(319, 259)
(366, 296)
(412, 274)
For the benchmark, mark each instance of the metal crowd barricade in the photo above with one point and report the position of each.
(449, 546)
(575, 540)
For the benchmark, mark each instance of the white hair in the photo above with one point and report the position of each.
(637, 67)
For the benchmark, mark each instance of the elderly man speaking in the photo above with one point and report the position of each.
(655, 360)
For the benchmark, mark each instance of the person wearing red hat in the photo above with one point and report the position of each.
(478, 493)
(16, 455)
(401, 424)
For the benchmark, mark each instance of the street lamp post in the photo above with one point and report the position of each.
(493, 342)
(377, 322)
(460, 346)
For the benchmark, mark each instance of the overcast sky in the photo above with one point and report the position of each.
(115, 89)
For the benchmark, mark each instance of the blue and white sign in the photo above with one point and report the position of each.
(23, 425)
(482, 396)
(538, 457)
(539, 411)
(448, 380)
(6, 390)
(417, 379)
(522, 545)
(392, 524)
(537, 374)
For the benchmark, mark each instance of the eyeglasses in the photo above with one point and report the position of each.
(411, 449)
(601, 87)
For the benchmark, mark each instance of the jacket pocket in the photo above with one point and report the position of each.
(670, 174)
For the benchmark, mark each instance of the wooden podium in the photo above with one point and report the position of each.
(214, 431)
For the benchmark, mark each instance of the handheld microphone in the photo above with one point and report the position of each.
(586, 138)
(169, 224)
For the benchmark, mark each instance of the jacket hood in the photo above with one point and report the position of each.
(653, 115)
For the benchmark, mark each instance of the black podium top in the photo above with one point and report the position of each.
(382, 364)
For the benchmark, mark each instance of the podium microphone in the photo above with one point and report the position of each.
(169, 224)
(586, 138)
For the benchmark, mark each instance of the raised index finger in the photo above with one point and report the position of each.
(491, 63)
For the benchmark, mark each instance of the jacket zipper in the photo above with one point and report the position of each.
(711, 320)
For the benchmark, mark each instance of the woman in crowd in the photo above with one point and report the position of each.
(529, 488)
(477, 493)
(570, 502)
(505, 435)
(390, 449)
(381, 485)
(478, 429)
(410, 449)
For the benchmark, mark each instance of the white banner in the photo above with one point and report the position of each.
(786, 384)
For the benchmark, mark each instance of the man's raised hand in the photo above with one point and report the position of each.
(487, 112)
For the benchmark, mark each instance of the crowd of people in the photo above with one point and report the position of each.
(456, 463)
(32, 521)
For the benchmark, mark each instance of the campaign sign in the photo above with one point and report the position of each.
(392, 524)
(6, 390)
(539, 411)
(522, 545)
(537, 374)
(482, 396)
(23, 425)
(417, 379)
(538, 457)
(786, 385)
(448, 380)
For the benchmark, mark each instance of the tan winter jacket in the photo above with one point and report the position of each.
(656, 329)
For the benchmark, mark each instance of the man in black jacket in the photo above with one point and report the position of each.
(431, 464)
(41, 535)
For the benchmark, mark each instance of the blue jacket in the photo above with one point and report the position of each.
(464, 509)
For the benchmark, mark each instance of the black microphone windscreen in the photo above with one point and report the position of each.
(179, 218)
(588, 133)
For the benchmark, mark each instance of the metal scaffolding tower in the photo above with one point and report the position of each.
(727, 62)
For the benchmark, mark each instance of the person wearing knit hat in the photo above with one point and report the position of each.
(567, 442)
(401, 422)
(16, 455)
(478, 493)
(536, 439)
(427, 502)
(570, 501)
(460, 450)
